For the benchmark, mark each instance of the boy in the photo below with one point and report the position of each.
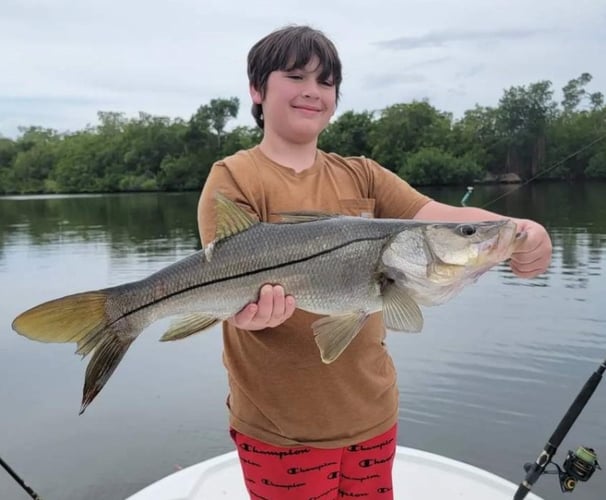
(304, 429)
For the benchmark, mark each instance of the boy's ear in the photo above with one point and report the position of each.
(255, 95)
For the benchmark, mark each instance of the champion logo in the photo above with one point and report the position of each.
(361, 479)
(251, 448)
(369, 462)
(333, 475)
(300, 470)
(348, 494)
(378, 446)
(269, 482)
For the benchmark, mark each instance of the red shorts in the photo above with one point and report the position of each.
(303, 473)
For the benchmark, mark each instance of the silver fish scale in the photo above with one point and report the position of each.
(328, 265)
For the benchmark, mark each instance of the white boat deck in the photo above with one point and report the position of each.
(417, 475)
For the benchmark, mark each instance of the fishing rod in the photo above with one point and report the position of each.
(580, 464)
(20, 481)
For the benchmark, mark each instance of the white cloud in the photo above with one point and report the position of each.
(64, 60)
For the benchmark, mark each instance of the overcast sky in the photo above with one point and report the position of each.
(61, 61)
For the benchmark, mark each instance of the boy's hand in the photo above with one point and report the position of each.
(533, 256)
(272, 309)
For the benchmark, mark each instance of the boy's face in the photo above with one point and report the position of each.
(297, 104)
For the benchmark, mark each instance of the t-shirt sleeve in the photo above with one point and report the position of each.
(221, 180)
(394, 197)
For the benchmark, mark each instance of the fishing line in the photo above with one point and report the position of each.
(20, 481)
(543, 172)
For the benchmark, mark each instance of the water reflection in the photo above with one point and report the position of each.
(149, 224)
(486, 382)
(129, 222)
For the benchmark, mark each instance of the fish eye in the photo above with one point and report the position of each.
(467, 229)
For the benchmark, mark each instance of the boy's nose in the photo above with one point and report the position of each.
(310, 91)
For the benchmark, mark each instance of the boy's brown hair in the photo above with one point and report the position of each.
(288, 48)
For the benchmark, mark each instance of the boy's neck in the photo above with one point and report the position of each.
(299, 157)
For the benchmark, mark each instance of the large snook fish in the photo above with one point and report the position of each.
(345, 268)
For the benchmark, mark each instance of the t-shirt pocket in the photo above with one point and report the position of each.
(359, 207)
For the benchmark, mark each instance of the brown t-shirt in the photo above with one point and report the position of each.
(280, 391)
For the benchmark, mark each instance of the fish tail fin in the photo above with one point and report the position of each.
(108, 354)
(82, 318)
(74, 318)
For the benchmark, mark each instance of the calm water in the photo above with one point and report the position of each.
(486, 382)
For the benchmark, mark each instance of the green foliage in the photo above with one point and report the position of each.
(32, 167)
(522, 119)
(575, 93)
(475, 136)
(527, 133)
(8, 151)
(596, 167)
(406, 128)
(240, 138)
(431, 166)
(349, 135)
(182, 173)
(220, 111)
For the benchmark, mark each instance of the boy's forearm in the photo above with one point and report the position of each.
(447, 213)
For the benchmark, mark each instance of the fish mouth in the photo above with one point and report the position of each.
(494, 250)
(501, 246)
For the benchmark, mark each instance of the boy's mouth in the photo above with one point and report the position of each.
(308, 108)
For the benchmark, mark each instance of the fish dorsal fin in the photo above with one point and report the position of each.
(297, 217)
(334, 333)
(400, 312)
(231, 219)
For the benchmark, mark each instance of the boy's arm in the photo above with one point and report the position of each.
(532, 257)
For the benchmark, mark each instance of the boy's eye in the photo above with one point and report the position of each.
(327, 83)
(294, 77)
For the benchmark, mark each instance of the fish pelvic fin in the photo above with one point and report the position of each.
(106, 358)
(334, 333)
(231, 219)
(400, 311)
(188, 325)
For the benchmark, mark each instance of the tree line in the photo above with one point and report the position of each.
(528, 133)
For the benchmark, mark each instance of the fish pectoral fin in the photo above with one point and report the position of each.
(334, 333)
(400, 311)
(188, 325)
(297, 217)
(231, 219)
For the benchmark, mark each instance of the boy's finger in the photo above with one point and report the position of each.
(278, 302)
(245, 316)
(265, 304)
(289, 306)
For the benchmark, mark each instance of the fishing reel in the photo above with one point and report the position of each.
(579, 465)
